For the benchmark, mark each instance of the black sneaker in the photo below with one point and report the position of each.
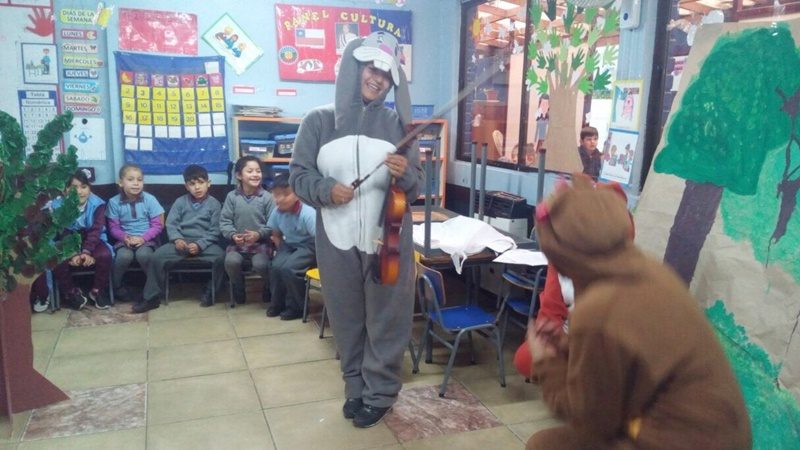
(205, 300)
(290, 314)
(76, 300)
(40, 305)
(369, 416)
(100, 298)
(351, 407)
(145, 305)
(274, 311)
(122, 294)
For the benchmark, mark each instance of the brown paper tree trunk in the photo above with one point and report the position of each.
(562, 133)
(21, 387)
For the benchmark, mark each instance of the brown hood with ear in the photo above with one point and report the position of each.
(586, 231)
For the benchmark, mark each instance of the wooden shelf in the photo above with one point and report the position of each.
(249, 127)
(437, 130)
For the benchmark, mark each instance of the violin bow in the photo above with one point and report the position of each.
(420, 127)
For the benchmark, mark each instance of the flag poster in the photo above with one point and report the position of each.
(311, 38)
(173, 112)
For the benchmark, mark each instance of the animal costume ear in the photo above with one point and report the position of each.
(347, 79)
(402, 99)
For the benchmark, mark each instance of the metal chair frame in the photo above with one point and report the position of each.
(190, 266)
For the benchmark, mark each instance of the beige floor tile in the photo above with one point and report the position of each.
(389, 447)
(133, 439)
(44, 343)
(93, 370)
(299, 383)
(102, 339)
(258, 324)
(47, 321)
(525, 430)
(12, 432)
(178, 361)
(289, 348)
(321, 425)
(498, 438)
(8, 446)
(251, 308)
(238, 431)
(190, 331)
(200, 397)
(183, 309)
(517, 402)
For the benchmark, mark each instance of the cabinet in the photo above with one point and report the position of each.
(270, 139)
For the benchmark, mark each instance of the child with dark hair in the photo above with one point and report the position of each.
(95, 250)
(590, 155)
(293, 227)
(193, 232)
(135, 219)
(243, 222)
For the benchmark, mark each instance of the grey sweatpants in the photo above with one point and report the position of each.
(234, 262)
(287, 276)
(371, 322)
(123, 259)
(166, 255)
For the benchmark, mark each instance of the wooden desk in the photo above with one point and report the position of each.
(437, 259)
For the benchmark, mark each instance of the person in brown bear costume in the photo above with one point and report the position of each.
(641, 368)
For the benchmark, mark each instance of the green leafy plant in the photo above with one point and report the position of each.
(565, 61)
(27, 184)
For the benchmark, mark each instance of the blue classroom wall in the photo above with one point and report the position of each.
(435, 30)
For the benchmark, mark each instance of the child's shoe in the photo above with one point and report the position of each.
(291, 314)
(100, 298)
(145, 305)
(40, 305)
(122, 294)
(76, 300)
(205, 300)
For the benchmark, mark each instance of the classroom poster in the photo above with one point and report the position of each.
(173, 112)
(626, 104)
(619, 149)
(39, 64)
(311, 38)
(143, 30)
(36, 109)
(228, 39)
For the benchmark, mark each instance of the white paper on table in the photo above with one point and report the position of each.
(146, 145)
(204, 119)
(190, 132)
(219, 130)
(205, 130)
(522, 256)
(131, 143)
(161, 131)
(130, 129)
(145, 131)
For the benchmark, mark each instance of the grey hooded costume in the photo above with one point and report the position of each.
(338, 144)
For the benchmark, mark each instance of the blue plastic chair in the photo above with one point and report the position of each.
(453, 321)
(519, 310)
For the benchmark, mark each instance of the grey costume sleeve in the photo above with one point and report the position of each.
(308, 184)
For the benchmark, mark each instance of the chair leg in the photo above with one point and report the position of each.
(414, 357)
(231, 301)
(110, 290)
(305, 301)
(500, 362)
(322, 321)
(55, 302)
(472, 359)
(450, 362)
(213, 287)
(166, 288)
(428, 343)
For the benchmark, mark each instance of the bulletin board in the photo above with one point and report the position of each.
(173, 112)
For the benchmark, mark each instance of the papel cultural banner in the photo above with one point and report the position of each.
(173, 112)
(311, 38)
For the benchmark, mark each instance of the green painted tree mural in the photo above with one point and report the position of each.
(27, 184)
(730, 118)
(564, 62)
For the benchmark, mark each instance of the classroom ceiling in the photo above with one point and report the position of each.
(737, 9)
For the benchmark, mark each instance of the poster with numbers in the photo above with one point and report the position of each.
(36, 108)
(173, 112)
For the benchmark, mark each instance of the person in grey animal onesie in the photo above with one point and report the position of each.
(337, 144)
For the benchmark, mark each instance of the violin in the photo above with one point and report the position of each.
(394, 208)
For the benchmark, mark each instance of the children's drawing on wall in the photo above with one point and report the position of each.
(618, 150)
(542, 122)
(626, 104)
(228, 39)
(144, 30)
(39, 64)
(41, 19)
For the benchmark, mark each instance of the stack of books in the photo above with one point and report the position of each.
(256, 111)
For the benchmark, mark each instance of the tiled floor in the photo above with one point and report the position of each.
(185, 377)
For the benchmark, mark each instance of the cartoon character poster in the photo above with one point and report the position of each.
(228, 39)
(618, 149)
(311, 38)
(143, 30)
(627, 104)
(39, 64)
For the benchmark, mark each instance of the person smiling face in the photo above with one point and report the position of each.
(374, 82)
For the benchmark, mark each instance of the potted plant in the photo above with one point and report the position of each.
(27, 247)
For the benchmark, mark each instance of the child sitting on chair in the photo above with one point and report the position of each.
(135, 219)
(293, 227)
(193, 232)
(243, 221)
(95, 250)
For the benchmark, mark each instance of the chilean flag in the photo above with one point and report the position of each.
(309, 37)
